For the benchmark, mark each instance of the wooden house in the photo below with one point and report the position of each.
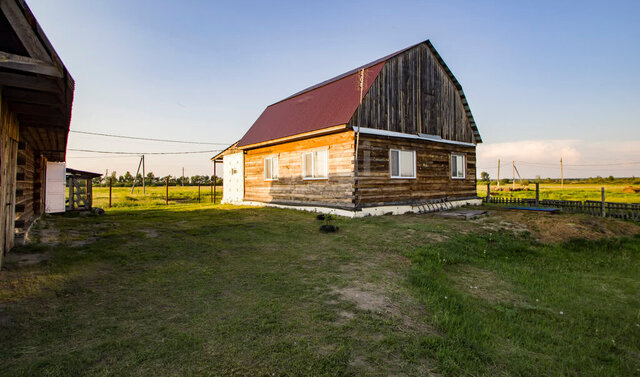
(393, 136)
(36, 93)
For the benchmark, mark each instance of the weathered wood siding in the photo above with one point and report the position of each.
(414, 94)
(9, 136)
(433, 175)
(29, 186)
(291, 188)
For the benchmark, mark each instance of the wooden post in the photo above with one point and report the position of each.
(166, 195)
(488, 191)
(537, 193)
(604, 211)
(215, 183)
(110, 185)
(198, 193)
(143, 177)
(498, 173)
(71, 185)
(561, 174)
(513, 182)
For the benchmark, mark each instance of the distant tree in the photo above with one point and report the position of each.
(484, 176)
(611, 178)
(96, 181)
(150, 178)
(505, 181)
(128, 178)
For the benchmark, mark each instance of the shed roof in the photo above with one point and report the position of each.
(82, 173)
(327, 104)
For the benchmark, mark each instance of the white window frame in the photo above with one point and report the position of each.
(270, 160)
(415, 166)
(464, 165)
(313, 167)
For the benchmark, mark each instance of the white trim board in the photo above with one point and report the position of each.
(373, 131)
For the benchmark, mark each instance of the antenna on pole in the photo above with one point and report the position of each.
(355, 155)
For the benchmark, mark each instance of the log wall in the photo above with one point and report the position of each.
(433, 175)
(29, 186)
(291, 188)
(414, 94)
(9, 136)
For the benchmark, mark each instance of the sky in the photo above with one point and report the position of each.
(545, 80)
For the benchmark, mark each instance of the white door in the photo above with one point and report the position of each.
(55, 187)
(233, 184)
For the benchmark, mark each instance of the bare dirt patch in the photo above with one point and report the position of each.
(150, 233)
(24, 259)
(550, 228)
(45, 234)
(367, 299)
(483, 284)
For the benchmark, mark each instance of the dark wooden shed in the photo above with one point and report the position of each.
(80, 185)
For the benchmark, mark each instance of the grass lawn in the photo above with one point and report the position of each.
(202, 289)
(571, 191)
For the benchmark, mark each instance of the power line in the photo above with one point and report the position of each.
(141, 153)
(603, 164)
(145, 138)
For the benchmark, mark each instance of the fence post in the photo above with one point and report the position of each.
(604, 211)
(537, 194)
(488, 191)
(110, 185)
(166, 195)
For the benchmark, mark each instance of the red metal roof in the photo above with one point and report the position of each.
(327, 104)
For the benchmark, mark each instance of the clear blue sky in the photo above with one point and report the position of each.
(544, 79)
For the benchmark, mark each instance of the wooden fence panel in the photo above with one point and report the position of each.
(625, 211)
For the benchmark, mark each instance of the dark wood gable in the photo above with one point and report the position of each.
(416, 93)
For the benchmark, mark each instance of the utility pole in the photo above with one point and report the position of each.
(182, 177)
(215, 181)
(513, 181)
(136, 176)
(144, 176)
(498, 173)
(561, 174)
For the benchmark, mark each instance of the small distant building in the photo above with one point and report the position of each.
(80, 186)
(36, 93)
(393, 136)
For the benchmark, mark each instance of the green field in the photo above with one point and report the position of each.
(571, 191)
(202, 289)
(153, 196)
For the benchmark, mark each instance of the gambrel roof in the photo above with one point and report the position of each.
(330, 103)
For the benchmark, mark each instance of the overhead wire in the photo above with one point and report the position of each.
(146, 138)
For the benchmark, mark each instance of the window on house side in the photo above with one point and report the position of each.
(402, 163)
(271, 168)
(315, 165)
(458, 166)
